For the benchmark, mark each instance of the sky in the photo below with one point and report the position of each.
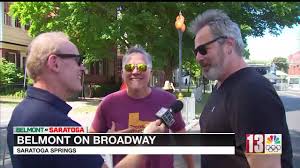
(269, 46)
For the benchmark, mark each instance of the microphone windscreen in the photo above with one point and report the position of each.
(176, 106)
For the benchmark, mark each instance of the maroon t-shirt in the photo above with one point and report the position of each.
(136, 113)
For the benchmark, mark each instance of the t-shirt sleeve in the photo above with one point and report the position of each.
(99, 122)
(179, 123)
(256, 109)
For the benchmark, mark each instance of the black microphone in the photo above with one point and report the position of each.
(166, 115)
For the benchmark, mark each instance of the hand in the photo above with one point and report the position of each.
(155, 127)
(104, 166)
(113, 129)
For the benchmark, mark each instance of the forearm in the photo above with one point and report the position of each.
(130, 161)
(267, 161)
(189, 160)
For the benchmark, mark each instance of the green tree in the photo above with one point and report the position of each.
(281, 63)
(95, 29)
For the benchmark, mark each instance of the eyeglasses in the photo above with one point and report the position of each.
(78, 58)
(140, 67)
(202, 48)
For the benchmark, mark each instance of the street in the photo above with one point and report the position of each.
(291, 101)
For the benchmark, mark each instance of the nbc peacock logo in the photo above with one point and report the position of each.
(273, 143)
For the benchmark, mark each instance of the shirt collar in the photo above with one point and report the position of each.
(48, 97)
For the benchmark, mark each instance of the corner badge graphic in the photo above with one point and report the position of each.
(273, 143)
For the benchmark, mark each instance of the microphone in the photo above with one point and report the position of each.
(166, 115)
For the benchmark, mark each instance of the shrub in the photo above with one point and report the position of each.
(20, 94)
(104, 89)
(9, 73)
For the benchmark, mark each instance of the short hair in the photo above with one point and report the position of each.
(137, 49)
(221, 25)
(39, 50)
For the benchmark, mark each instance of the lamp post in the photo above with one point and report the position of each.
(180, 26)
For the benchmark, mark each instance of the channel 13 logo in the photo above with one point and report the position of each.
(264, 143)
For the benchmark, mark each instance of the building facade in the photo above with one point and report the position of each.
(13, 38)
(294, 71)
(294, 64)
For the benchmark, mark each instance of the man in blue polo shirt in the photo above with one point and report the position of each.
(55, 65)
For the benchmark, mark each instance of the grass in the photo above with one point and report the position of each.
(84, 109)
(200, 105)
(9, 101)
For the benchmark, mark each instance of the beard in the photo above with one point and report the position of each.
(216, 70)
(213, 73)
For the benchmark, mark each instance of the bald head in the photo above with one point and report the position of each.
(41, 47)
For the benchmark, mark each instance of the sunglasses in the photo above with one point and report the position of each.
(140, 67)
(202, 48)
(78, 58)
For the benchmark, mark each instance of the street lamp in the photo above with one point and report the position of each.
(180, 26)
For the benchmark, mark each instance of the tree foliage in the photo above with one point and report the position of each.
(281, 64)
(95, 29)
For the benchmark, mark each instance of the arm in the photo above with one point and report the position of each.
(252, 111)
(99, 121)
(134, 161)
(187, 158)
(130, 161)
(266, 161)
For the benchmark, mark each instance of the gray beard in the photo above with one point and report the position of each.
(213, 73)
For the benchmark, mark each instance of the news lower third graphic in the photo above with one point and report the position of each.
(264, 143)
(76, 140)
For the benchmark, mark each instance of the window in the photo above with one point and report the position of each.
(294, 80)
(119, 65)
(17, 23)
(99, 67)
(7, 18)
(27, 26)
(13, 57)
(91, 69)
(104, 67)
(95, 68)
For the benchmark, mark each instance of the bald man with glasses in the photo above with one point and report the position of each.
(55, 65)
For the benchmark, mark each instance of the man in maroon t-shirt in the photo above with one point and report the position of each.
(131, 109)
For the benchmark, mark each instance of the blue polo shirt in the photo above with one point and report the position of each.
(41, 108)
